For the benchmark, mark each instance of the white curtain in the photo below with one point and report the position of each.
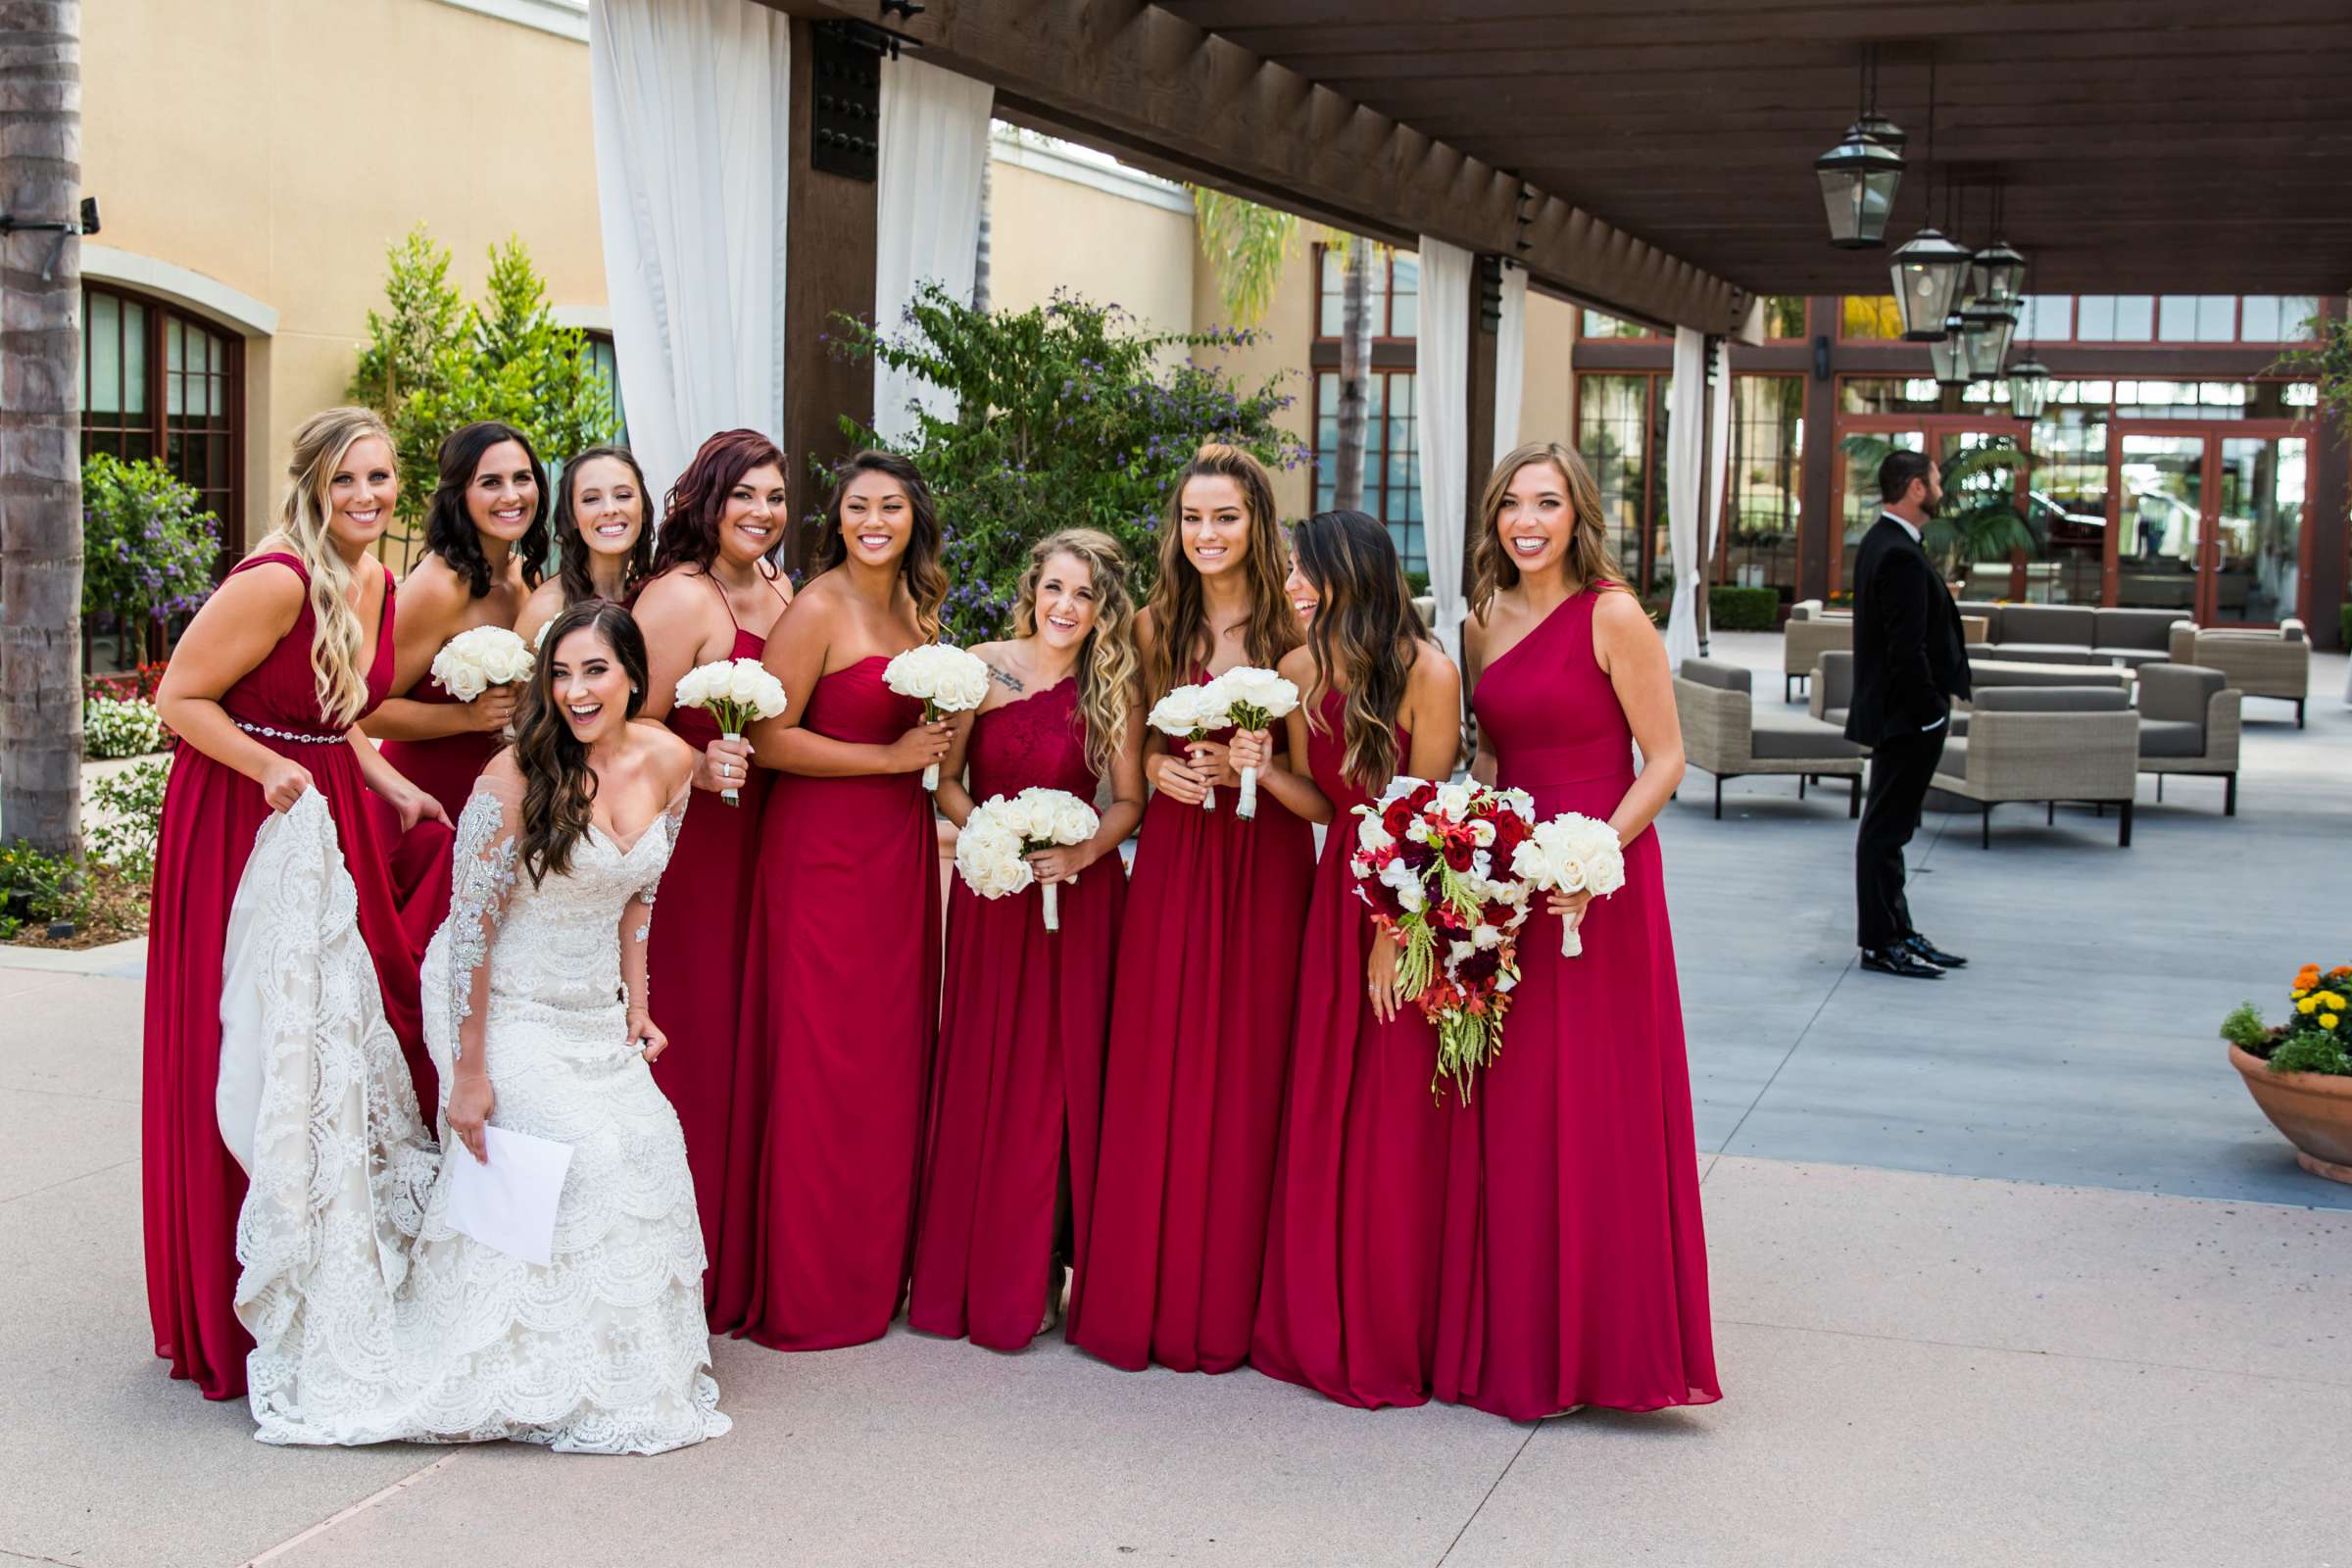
(1510, 360)
(1684, 494)
(1441, 410)
(1717, 516)
(692, 109)
(934, 148)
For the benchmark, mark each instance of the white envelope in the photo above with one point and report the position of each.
(508, 1203)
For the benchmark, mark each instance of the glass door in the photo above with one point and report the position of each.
(2255, 560)
(2160, 507)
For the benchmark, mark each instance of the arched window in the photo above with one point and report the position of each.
(159, 383)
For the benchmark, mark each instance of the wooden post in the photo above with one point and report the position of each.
(1819, 535)
(829, 271)
(1485, 306)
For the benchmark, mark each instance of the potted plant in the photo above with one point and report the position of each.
(2301, 1072)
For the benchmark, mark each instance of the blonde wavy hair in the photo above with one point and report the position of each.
(339, 655)
(1106, 661)
(1590, 561)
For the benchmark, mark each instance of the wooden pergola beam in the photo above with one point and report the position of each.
(1146, 84)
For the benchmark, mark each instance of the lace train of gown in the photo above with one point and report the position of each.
(372, 1320)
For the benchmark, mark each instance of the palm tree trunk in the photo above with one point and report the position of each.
(980, 247)
(1355, 366)
(41, 419)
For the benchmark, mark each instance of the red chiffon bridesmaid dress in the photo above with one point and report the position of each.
(192, 1186)
(1350, 1303)
(1019, 1082)
(841, 998)
(694, 966)
(445, 767)
(1192, 1102)
(1576, 1266)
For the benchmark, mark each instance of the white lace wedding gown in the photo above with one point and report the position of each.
(373, 1319)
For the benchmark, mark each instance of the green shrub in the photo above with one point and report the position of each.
(148, 548)
(133, 803)
(1731, 609)
(2311, 1052)
(1068, 414)
(2244, 1029)
(115, 727)
(36, 889)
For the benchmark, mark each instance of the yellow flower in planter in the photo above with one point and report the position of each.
(2307, 1004)
(2329, 1019)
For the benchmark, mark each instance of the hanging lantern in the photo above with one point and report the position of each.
(2029, 387)
(1949, 355)
(1879, 128)
(1929, 274)
(1996, 275)
(1990, 328)
(1859, 177)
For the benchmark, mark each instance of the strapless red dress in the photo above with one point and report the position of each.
(1349, 1302)
(191, 1187)
(842, 1002)
(1576, 1262)
(1019, 1082)
(445, 767)
(1192, 1095)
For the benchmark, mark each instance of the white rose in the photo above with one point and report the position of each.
(1370, 835)
(1454, 799)
(1484, 936)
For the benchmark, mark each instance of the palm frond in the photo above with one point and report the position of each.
(1247, 245)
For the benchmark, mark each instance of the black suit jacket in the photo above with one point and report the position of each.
(1910, 659)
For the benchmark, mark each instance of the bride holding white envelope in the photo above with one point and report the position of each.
(538, 1276)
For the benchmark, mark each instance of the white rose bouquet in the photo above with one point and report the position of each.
(1253, 699)
(1571, 854)
(738, 692)
(992, 852)
(472, 661)
(947, 679)
(1189, 713)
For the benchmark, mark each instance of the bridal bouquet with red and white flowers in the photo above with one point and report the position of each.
(992, 851)
(1434, 862)
(947, 679)
(1572, 852)
(738, 692)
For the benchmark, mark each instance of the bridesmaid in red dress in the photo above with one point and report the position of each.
(1201, 1009)
(843, 999)
(266, 692)
(1349, 1302)
(1576, 1268)
(602, 548)
(715, 595)
(487, 519)
(1009, 1164)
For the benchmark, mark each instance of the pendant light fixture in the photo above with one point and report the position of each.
(1931, 271)
(2029, 387)
(1949, 355)
(1997, 274)
(1860, 175)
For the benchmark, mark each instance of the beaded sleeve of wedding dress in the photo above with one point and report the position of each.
(375, 1321)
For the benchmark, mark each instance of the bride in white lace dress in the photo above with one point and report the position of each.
(373, 1319)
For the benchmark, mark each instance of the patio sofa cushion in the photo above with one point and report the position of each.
(1997, 673)
(2171, 737)
(1718, 673)
(2142, 630)
(1790, 735)
(2035, 653)
(2179, 692)
(2046, 625)
(2051, 700)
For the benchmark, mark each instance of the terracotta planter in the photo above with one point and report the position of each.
(2314, 1109)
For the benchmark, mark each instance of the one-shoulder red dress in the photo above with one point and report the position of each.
(842, 1001)
(1192, 1095)
(1019, 1082)
(1576, 1262)
(694, 975)
(191, 1186)
(1349, 1302)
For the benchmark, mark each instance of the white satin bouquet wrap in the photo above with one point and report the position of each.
(472, 661)
(947, 679)
(1189, 713)
(992, 851)
(1571, 854)
(1252, 699)
(739, 692)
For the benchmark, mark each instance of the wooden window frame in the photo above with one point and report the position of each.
(158, 428)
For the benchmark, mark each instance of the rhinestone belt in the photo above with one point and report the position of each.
(288, 735)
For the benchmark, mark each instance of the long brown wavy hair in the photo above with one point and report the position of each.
(558, 787)
(690, 512)
(340, 657)
(573, 569)
(925, 579)
(1590, 561)
(1179, 616)
(1106, 661)
(1363, 639)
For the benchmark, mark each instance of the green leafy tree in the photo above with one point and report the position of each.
(148, 547)
(1068, 414)
(436, 363)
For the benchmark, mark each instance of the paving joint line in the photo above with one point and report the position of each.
(1488, 1494)
(70, 1181)
(32, 1556)
(1725, 1146)
(2062, 1355)
(385, 1495)
(77, 1094)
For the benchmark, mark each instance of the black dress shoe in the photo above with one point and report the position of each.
(1919, 947)
(1899, 960)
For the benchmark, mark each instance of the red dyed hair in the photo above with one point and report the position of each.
(690, 512)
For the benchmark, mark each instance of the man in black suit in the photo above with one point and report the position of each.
(1910, 661)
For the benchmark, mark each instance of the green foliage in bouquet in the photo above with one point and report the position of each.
(1067, 414)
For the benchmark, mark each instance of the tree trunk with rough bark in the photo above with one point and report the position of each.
(40, 417)
(1356, 369)
(980, 246)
